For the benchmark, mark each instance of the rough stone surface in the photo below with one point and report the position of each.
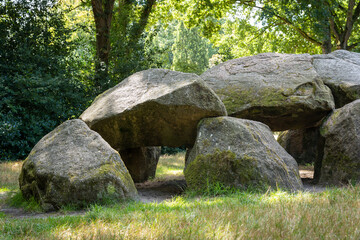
(239, 153)
(340, 70)
(341, 161)
(74, 165)
(155, 107)
(281, 90)
(302, 144)
(141, 162)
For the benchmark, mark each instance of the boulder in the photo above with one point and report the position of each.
(341, 160)
(281, 90)
(155, 107)
(141, 162)
(301, 144)
(74, 165)
(239, 153)
(340, 71)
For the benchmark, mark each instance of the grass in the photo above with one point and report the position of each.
(332, 214)
(9, 176)
(170, 166)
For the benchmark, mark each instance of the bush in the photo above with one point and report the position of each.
(37, 86)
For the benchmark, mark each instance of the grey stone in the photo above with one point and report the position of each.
(155, 107)
(281, 90)
(74, 165)
(340, 70)
(301, 144)
(306, 146)
(141, 162)
(239, 153)
(341, 161)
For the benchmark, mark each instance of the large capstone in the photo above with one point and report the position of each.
(340, 70)
(281, 90)
(155, 107)
(341, 160)
(141, 162)
(74, 165)
(239, 153)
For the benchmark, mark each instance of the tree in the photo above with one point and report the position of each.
(328, 24)
(158, 45)
(103, 11)
(37, 87)
(325, 23)
(128, 37)
(190, 51)
(238, 38)
(119, 27)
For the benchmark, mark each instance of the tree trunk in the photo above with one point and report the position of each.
(102, 14)
(326, 43)
(326, 47)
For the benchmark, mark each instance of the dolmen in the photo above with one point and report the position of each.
(225, 117)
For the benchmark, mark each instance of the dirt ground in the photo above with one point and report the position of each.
(149, 192)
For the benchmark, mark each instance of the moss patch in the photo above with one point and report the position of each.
(222, 167)
(236, 99)
(339, 168)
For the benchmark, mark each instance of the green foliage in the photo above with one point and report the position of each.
(190, 51)
(329, 24)
(128, 39)
(38, 85)
(238, 38)
(305, 26)
(158, 45)
(172, 150)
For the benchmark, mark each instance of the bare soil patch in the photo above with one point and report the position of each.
(158, 191)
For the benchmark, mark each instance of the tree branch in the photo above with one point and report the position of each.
(139, 28)
(333, 25)
(288, 22)
(349, 24)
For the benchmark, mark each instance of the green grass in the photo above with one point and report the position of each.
(170, 166)
(332, 214)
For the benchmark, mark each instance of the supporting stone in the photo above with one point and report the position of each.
(141, 162)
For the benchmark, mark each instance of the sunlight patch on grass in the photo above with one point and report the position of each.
(334, 214)
(170, 165)
(219, 214)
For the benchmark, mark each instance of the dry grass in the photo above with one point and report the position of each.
(333, 214)
(9, 176)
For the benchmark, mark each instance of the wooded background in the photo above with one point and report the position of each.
(56, 56)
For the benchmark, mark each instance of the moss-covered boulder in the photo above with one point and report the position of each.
(281, 90)
(141, 162)
(341, 161)
(340, 71)
(74, 165)
(155, 107)
(239, 153)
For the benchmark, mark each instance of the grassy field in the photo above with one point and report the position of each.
(332, 214)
